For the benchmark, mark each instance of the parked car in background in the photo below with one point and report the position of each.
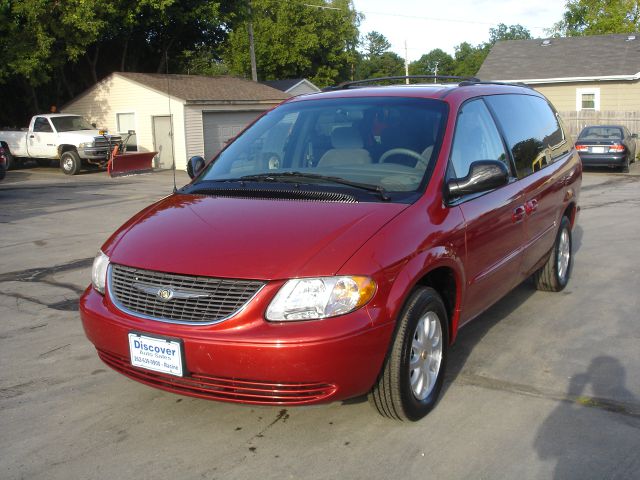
(336, 246)
(607, 146)
(4, 162)
(68, 138)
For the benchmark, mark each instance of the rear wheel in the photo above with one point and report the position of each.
(70, 162)
(411, 379)
(625, 165)
(12, 162)
(554, 275)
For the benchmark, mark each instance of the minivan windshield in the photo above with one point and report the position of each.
(71, 123)
(381, 143)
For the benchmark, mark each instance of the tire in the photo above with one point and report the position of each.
(12, 163)
(70, 162)
(402, 392)
(554, 275)
(625, 166)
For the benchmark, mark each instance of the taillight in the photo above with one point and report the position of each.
(582, 148)
(616, 148)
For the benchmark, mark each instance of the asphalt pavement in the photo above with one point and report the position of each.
(543, 385)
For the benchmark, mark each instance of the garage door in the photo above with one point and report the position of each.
(220, 127)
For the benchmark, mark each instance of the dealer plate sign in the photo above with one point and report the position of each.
(157, 354)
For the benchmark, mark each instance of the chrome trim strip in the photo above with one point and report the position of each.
(168, 320)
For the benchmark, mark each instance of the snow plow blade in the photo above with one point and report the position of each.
(130, 163)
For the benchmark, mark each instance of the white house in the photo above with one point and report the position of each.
(198, 113)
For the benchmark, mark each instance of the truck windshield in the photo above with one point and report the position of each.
(70, 123)
(390, 143)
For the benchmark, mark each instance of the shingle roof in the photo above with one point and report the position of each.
(283, 85)
(199, 88)
(571, 57)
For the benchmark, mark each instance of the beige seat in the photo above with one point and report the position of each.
(347, 149)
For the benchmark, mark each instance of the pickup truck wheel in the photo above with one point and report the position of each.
(70, 162)
(554, 275)
(411, 379)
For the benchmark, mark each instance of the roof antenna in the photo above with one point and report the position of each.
(173, 154)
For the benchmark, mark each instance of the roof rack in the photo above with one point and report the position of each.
(355, 83)
(476, 81)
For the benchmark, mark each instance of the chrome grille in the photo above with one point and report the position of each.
(195, 299)
(103, 142)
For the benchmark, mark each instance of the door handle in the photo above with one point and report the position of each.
(518, 214)
(531, 206)
(32, 136)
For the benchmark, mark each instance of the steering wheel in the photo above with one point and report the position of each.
(420, 160)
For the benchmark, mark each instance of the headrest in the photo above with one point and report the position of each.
(346, 137)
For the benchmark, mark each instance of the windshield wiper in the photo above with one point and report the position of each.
(273, 177)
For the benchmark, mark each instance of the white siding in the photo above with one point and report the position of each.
(116, 94)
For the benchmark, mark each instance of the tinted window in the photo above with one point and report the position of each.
(601, 133)
(532, 131)
(71, 123)
(476, 138)
(387, 142)
(41, 124)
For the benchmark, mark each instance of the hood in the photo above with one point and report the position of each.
(79, 136)
(247, 238)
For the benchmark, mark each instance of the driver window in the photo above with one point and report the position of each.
(41, 124)
(476, 138)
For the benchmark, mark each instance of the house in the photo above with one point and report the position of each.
(294, 86)
(591, 79)
(177, 115)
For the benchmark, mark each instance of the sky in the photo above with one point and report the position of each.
(443, 24)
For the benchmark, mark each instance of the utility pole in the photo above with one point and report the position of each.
(406, 62)
(435, 72)
(252, 50)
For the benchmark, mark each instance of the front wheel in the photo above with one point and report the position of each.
(70, 162)
(554, 275)
(411, 379)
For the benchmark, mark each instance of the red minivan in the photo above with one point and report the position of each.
(337, 245)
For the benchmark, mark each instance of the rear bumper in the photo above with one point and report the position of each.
(274, 369)
(603, 160)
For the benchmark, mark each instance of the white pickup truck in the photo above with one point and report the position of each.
(68, 138)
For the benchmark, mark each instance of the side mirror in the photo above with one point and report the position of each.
(483, 175)
(93, 125)
(195, 165)
(634, 135)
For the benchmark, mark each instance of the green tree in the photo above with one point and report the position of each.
(375, 44)
(293, 39)
(429, 62)
(388, 64)
(510, 32)
(598, 17)
(468, 59)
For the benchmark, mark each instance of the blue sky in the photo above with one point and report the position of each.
(427, 24)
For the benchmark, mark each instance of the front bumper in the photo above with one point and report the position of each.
(94, 153)
(248, 360)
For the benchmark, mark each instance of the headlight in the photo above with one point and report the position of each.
(323, 297)
(99, 271)
(85, 145)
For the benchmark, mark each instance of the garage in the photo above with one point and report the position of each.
(220, 127)
(178, 116)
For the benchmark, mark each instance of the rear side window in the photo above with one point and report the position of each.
(532, 130)
(41, 124)
(476, 138)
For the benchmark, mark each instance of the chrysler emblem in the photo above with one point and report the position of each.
(165, 294)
